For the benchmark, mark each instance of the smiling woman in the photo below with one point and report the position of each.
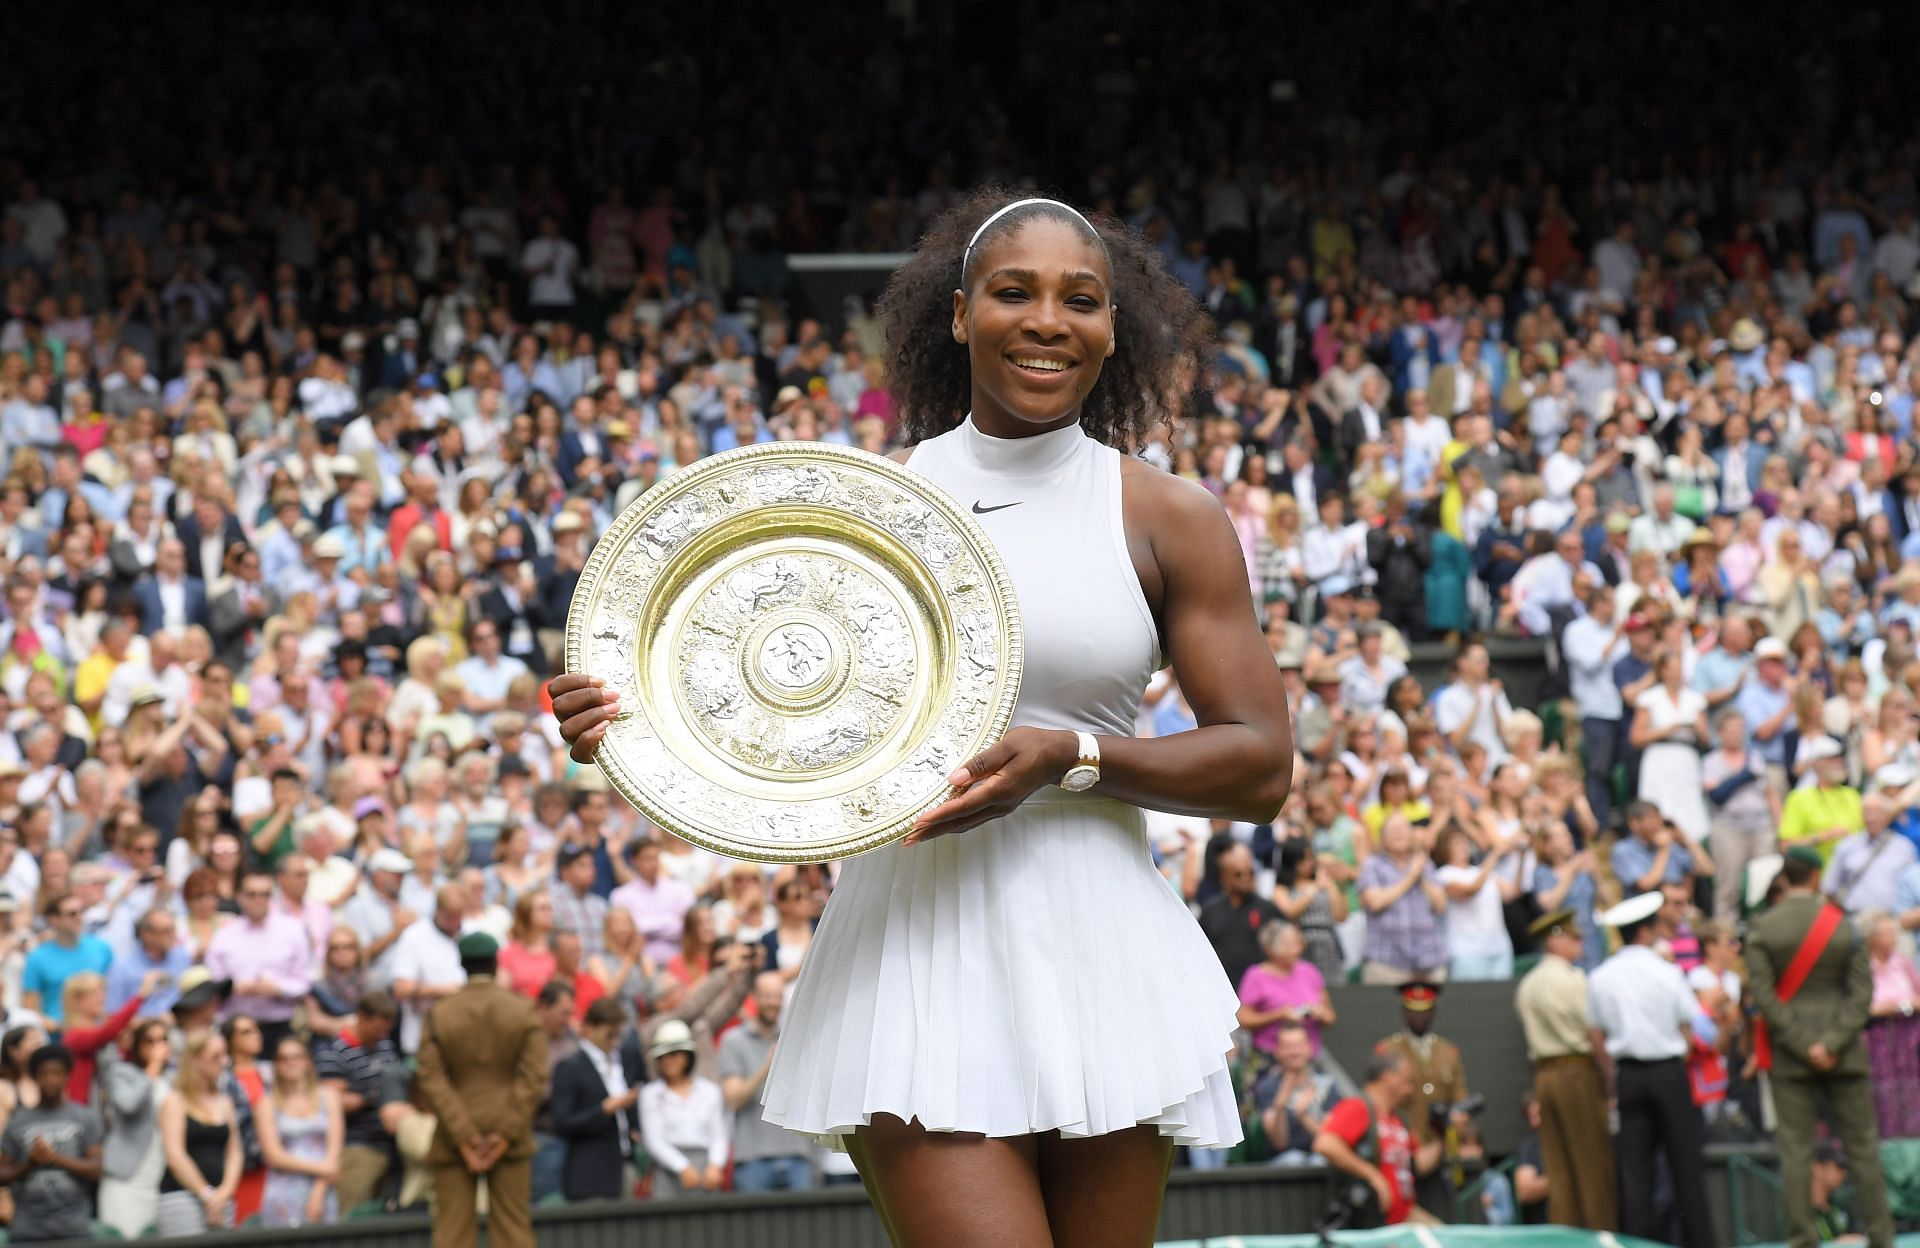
(1010, 1002)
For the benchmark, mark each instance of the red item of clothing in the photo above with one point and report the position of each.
(688, 975)
(528, 970)
(86, 438)
(1349, 1121)
(409, 516)
(85, 1044)
(586, 990)
(253, 1183)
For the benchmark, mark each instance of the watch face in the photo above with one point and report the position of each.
(1079, 779)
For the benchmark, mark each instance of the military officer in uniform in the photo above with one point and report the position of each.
(1641, 1012)
(1439, 1078)
(1575, 1141)
(483, 1073)
(1813, 985)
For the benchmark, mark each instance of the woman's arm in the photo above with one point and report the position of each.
(84, 1040)
(336, 1136)
(1461, 890)
(1283, 902)
(1551, 898)
(1238, 763)
(719, 1135)
(1337, 902)
(1643, 733)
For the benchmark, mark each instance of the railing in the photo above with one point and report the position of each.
(1753, 1188)
(1468, 1208)
(1200, 1205)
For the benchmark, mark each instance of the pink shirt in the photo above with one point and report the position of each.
(276, 950)
(659, 910)
(1894, 981)
(1264, 988)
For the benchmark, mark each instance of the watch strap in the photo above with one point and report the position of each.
(1089, 750)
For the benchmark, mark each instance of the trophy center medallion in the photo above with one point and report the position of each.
(795, 661)
(795, 658)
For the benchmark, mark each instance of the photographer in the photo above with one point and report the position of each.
(1366, 1138)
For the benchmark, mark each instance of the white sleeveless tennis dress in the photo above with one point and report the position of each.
(1035, 973)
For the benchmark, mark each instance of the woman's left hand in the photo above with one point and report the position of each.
(995, 781)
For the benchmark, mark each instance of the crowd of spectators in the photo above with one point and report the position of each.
(326, 354)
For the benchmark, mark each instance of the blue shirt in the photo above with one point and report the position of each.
(1717, 670)
(1757, 704)
(52, 964)
(131, 966)
(1630, 668)
(1843, 638)
(1591, 650)
(1633, 858)
(1906, 891)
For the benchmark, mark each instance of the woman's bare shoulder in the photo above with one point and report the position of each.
(1166, 494)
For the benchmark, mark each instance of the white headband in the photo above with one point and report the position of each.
(1020, 203)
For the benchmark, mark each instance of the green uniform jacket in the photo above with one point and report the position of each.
(1833, 1003)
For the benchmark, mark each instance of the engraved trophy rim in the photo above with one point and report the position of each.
(621, 542)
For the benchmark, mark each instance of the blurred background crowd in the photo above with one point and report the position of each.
(329, 343)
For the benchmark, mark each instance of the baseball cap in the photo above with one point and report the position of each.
(1770, 648)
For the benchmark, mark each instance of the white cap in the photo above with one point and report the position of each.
(1821, 748)
(1770, 648)
(343, 464)
(389, 859)
(1894, 776)
(327, 546)
(1760, 875)
(1633, 910)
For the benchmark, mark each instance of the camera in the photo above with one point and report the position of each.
(1355, 1207)
(1439, 1113)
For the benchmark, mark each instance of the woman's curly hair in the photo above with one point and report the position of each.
(1162, 337)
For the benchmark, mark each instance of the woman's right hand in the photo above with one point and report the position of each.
(215, 1206)
(584, 707)
(690, 1179)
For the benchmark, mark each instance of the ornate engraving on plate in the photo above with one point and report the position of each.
(806, 640)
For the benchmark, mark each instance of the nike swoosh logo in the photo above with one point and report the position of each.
(978, 510)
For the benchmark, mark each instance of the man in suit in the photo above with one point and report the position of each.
(1366, 421)
(483, 1072)
(1306, 479)
(170, 597)
(1740, 459)
(595, 1102)
(1450, 388)
(207, 534)
(238, 611)
(1813, 984)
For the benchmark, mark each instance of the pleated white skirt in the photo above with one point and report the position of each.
(1034, 974)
